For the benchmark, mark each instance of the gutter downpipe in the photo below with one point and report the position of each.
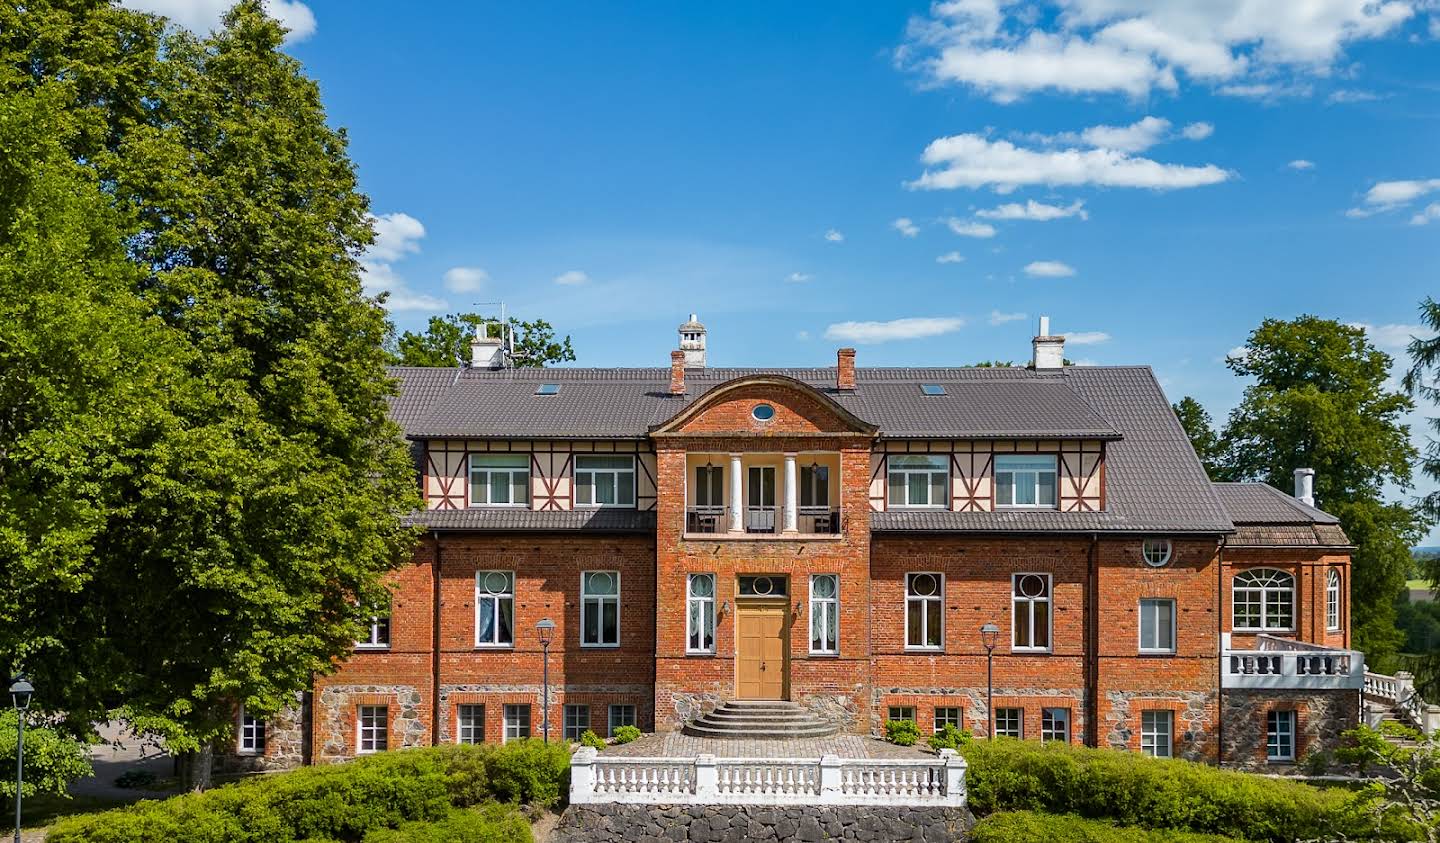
(1092, 620)
(435, 646)
(1220, 651)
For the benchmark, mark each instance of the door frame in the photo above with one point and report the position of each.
(778, 605)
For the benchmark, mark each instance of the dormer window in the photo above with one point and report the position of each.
(1025, 481)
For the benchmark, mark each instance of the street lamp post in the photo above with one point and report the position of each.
(20, 693)
(546, 630)
(989, 634)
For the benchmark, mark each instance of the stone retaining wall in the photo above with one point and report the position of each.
(741, 823)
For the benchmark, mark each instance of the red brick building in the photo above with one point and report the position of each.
(837, 537)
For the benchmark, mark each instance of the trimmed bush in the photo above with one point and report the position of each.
(529, 771)
(592, 740)
(1028, 826)
(492, 824)
(950, 737)
(626, 734)
(1134, 790)
(902, 732)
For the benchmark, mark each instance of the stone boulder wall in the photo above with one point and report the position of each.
(741, 823)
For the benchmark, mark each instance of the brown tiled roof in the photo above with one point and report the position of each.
(525, 520)
(1264, 516)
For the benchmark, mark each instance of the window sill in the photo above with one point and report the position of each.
(372, 648)
(925, 650)
(824, 655)
(762, 537)
(1157, 652)
(1257, 631)
(1031, 651)
(698, 654)
(525, 505)
(615, 646)
(495, 647)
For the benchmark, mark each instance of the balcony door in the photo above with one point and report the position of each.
(760, 499)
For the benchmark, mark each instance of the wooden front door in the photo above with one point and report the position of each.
(762, 657)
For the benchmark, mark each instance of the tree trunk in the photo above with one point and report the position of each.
(198, 772)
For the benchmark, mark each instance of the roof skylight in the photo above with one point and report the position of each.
(548, 389)
(932, 389)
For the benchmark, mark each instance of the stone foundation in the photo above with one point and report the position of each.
(741, 823)
(335, 718)
(1194, 727)
(1321, 716)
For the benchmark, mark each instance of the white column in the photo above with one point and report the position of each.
(954, 777)
(792, 495)
(830, 784)
(707, 779)
(737, 500)
(582, 776)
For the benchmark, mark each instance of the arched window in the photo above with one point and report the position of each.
(1264, 600)
(1332, 599)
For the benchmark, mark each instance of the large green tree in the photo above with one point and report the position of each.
(1319, 399)
(233, 518)
(1201, 430)
(446, 342)
(1422, 380)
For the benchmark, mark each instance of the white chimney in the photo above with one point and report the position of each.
(1048, 352)
(486, 352)
(692, 342)
(1305, 486)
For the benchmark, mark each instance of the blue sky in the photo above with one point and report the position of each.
(919, 181)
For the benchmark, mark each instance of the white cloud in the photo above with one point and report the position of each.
(1049, 269)
(1430, 212)
(906, 227)
(1239, 352)
(950, 257)
(1036, 211)
(396, 236)
(1301, 164)
(834, 236)
(998, 318)
(910, 328)
(1087, 337)
(571, 278)
(465, 279)
(1197, 131)
(971, 160)
(1393, 337)
(201, 16)
(1349, 95)
(1390, 195)
(802, 335)
(798, 277)
(1006, 49)
(968, 228)
(1136, 137)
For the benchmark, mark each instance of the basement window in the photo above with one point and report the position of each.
(932, 389)
(548, 389)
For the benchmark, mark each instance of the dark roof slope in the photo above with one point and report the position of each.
(1264, 516)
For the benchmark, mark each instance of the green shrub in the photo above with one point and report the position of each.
(529, 771)
(1027, 826)
(592, 740)
(625, 734)
(491, 824)
(1131, 789)
(950, 737)
(902, 732)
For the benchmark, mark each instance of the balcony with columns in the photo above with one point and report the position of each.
(762, 495)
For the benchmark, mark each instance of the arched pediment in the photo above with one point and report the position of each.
(797, 409)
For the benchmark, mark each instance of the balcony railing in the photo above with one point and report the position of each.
(1282, 663)
(761, 520)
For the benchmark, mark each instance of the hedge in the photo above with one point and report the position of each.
(345, 802)
(1129, 789)
(492, 824)
(1028, 826)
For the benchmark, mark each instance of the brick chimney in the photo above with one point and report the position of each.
(845, 369)
(677, 372)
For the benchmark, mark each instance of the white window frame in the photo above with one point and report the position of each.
(1268, 594)
(1157, 553)
(1018, 719)
(924, 602)
(472, 727)
(511, 471)
(498, 600)
(573, 731)
(1332, 600)
(892, 469)
(1055, 724)
(823, 610)
(1140, 624)
(376, 734)
(958, 721)
(373, 642)
(620, 710)
(599, 602)
(906, 712)
(1017, 600)
(1156, 741)
(513, 723)
(1053, 470)
(705, 604)
(613, 473)
(1280, 731)
(251, 735)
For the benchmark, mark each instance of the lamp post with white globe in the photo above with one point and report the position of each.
(20, 692)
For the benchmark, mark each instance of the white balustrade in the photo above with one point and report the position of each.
(1278, 663)
(708, 780)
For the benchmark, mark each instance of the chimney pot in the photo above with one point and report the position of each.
(677, 372)
(845, 369)
(1047, 352)
(1305, 486)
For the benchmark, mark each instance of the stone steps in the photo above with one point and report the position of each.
(759, 720)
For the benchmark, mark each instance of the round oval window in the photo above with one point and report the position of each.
(763, 412)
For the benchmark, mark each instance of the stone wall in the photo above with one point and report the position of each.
(1321, 716)
(741, 823)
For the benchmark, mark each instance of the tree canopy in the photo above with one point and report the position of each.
(446, 342)
(1422, 380)
(1201, 430)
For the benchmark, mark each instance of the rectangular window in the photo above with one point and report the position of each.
(700, 614)
(1009, 722)
(517, 722)
(1055, 724)
(1157, 733)
(470, 724)
(577, 721)
(947, 716)
(377, 634)
(499, 479)
(1280, 736)
(494, 609)
(373, 729)
(252, 735)
(1157, 625)
(1025, 480)
(918, 479)
(604, 481)
(924, 611)
(901, 712)
(815, 486)
(600, 609)
(710, 486)
(1030, 605)
(825, 614)
(621, 715)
